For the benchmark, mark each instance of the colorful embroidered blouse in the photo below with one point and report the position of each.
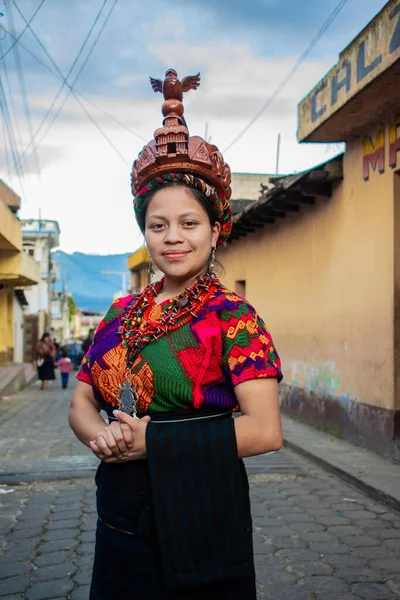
(195, 366)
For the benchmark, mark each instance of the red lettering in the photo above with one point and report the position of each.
(394, 142)
(374, 153)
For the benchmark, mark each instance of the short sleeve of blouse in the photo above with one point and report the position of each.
(84, 369)
(116, 309)
(248, 348)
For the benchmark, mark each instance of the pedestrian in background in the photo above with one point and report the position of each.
(65, 366)
(87, 342)
(58, 348)
(45, 354)
(169, 366)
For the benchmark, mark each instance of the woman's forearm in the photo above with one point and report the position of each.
(85, 421)
(254, 436)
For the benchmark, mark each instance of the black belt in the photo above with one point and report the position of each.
(195, 414)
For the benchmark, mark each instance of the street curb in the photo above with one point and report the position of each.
(373, 492)
(19, 478)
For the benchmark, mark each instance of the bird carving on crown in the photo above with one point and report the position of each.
(172, 87)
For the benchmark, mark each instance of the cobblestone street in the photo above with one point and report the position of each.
(316, 537)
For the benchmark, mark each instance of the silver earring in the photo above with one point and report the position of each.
(211, 263)
(150, 268)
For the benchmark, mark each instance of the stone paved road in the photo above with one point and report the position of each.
(316, 538)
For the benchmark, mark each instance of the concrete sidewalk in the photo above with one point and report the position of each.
(378, 477)
(16, 376)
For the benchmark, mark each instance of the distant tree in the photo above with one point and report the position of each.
(71, 307)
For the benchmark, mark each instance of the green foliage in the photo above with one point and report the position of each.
(71, 307)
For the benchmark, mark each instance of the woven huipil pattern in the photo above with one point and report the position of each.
(196, 366)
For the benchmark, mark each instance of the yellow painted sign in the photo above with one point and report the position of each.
(374, 148)
(373, 51)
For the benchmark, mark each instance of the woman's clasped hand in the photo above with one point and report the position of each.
(122, 440)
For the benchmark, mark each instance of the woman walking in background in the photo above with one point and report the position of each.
(65, 366)
(45, 354)
(169, 366)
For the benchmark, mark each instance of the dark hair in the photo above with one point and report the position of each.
(197, 195)
(64, 353)
(45, 335)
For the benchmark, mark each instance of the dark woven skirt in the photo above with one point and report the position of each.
(127, 564)
(46, 370)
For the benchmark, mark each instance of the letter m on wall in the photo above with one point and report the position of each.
(394, 141)
(374, 152)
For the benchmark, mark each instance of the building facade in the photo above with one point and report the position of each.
(138, 265)
(60, 325)
(40, 236)
(319, 253)
(246, 186)
(17, 271)
(83, 321)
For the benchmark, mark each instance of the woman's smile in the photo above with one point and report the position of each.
(175, 254)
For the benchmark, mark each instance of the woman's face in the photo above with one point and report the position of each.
(178, 233)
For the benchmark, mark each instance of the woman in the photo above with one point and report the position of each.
(45, 354)
(169, 366)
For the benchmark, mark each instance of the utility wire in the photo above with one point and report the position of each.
(22, 86)
(7, 121)
(71, 90)
(90, 117)
(60, 76)
(70, 87)
(16, 40)
(114, 119)
(6, 154)
(9, 129)
(11, 103)
(292, 71)
(33, 140)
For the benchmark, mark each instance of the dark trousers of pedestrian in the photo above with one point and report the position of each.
(64, 380)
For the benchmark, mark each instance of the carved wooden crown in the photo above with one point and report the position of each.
(172, 149)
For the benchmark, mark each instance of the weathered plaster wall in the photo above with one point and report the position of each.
(323, 281)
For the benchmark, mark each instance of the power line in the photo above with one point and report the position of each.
(21, 80)
(71, 86)
(11, 102)
(32, 141)
(16, 40)
(71, 90)
(7, 158)
(9, 130)
(76, 93)
(292, 71)
(114, 119)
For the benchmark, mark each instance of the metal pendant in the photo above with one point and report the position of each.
(128, 399)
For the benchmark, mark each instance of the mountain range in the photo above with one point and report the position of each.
(87, 278)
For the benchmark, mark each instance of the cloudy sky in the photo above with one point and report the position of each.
(80, 176)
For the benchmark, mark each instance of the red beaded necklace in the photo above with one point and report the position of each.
(136, 333)
(175, 314)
